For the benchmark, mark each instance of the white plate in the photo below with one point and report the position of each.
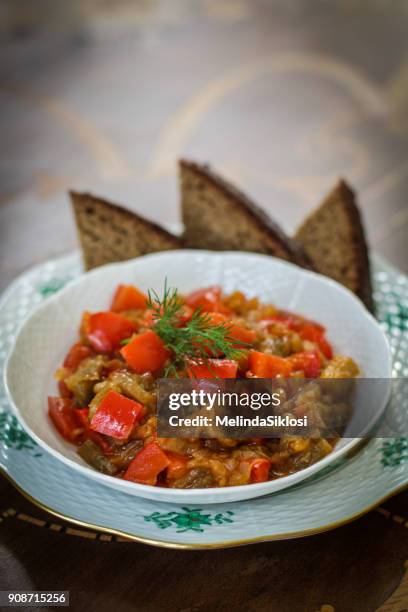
(45, 338)
(342, 492)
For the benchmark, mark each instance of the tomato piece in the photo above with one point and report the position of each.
(107, 329)
(147, 465)
(208, 299)
(77, 353)
(63, 415)
(177, 465)
(313, 332)
(116, 416)
(260, 470)
(308, 361)
(213, 368)
(268, 366)
(128, 297)
(146, 352)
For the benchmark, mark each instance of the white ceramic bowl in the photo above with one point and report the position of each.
(46, 336)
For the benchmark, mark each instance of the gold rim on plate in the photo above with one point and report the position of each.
(219, 545)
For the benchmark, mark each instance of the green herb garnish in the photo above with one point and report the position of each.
(198, 338)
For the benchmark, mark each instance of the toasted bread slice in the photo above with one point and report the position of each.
(219, 217)
(109, 233)
(333, 238)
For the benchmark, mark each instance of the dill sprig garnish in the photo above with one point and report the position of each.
(198, 338)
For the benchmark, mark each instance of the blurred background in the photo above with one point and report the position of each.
(282, 96)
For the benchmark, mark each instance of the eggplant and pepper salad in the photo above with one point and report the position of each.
(107, 384)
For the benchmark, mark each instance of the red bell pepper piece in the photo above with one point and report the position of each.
(208, 299)
(293, 321)
(146, 352)
(285, 318)
(263, 365)
(314, 324)
(213, 368)
(73, 423)
(100, 342)
(148, 319)
(63, 415)
(84, 326)
(242, 334)
(116, 416)
(128, 297)
(260, 470)
(107, 329)
(177, 465)
(82, 416)
(147, 465)
(237, 332)
(308, 362)
(77, 353)
(64, 391)
(256, 441)
(185, 313)
(313, 332)
(215, 318)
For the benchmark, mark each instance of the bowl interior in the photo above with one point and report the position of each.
(45, 338)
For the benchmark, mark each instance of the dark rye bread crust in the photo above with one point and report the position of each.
(334, 239)
(220, 217)
(108, 233)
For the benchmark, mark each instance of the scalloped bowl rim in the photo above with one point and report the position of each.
(213, 494)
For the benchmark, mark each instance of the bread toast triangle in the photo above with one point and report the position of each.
(333, 238)
(107, 232)
(218, 216)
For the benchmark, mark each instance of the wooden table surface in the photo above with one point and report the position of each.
(281, 96)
